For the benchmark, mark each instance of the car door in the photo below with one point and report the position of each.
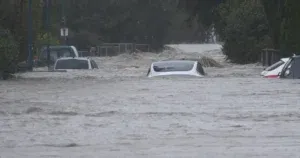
(295, 68)
(292, 69)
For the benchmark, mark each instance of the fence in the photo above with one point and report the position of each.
(113, 49)
(269, 56)
(84, 53)
(142, 47)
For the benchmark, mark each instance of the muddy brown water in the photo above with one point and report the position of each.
(233, 112)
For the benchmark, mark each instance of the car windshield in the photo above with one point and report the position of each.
(72, 64)
(275, 66)
(173, 66)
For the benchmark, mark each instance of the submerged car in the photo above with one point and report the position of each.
(273, 70)
(176, 67)
(291, 69)
(56, 52)
(75, 64)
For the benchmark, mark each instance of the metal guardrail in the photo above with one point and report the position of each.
(113, 49)
(84, 53)
(50, 71)
(142, 47)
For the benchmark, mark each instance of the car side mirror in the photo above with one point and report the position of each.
(279, 73)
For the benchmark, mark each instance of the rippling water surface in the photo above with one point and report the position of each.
(117, 112)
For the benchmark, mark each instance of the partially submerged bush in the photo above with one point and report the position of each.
(205, 61)
(209, 62)
(8, 55)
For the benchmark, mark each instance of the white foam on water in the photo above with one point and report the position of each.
(117, 111)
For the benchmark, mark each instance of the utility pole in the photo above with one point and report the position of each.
(30, 60)
(48, 32)
(64, 29)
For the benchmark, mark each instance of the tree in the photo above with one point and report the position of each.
(120, 21)
(274, 14)
(203, 12)
(9, 53)
(245, 30)
(289, 28)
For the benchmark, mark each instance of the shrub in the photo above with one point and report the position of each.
(8, 54)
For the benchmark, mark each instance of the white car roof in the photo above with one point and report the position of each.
(174, 61)
(191, 72)
(284, 59)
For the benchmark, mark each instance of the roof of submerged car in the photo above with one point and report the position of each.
(174, 61)
(285, 59)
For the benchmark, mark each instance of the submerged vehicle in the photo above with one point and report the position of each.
(291, 69)
(75, 64)
(176, 67)
(273, 70)
(57, 52)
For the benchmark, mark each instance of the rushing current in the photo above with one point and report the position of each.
(117, 111)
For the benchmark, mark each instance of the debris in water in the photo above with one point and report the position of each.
(33, 109)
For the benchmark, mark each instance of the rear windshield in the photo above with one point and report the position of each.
(173, 66)
(275, 66)
(72, 64)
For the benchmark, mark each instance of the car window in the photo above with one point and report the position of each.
(57, 53)
(275, 66)
(53, 56)
(65, 53)
(94, 65)
(72, 64)
(173, 66)
(200, 69)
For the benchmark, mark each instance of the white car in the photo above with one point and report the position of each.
(273, 70)
(70, 63)
(176, 67)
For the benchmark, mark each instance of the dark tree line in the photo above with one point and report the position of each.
(248, 26)
(245, 27)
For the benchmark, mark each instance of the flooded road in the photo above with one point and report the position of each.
(231, 113)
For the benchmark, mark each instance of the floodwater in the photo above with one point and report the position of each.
(117, 112)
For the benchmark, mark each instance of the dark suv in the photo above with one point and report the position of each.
(291, 69)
